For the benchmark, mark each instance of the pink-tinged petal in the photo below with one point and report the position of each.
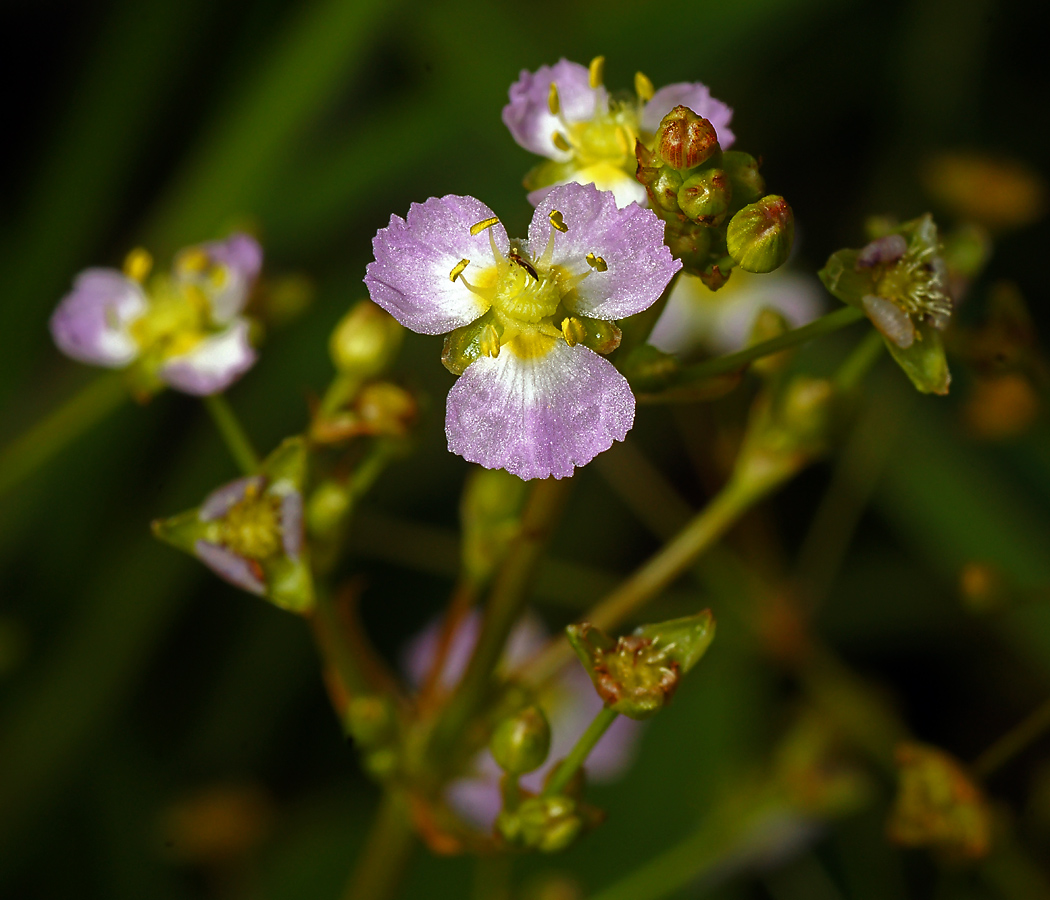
(222, 499)
(292, 525)
(237, 570)
(528, 116)
(91, 322)
(214, 364)
(538, 416)
(695, 96)
(415, 255)
(239, 259)
(477, 801)
(630, 240)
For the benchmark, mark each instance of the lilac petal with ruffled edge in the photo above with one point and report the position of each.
(222, 499)
(91, 322)
(698, 98)
(528, 117)
(214, 364)
(539, 416)
(625, 188)
(235, 569)
(415, 255)
(292, 525)
(630, 240)
(240, 258)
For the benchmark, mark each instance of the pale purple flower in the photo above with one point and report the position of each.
(570, 704)
(590, 138)
(533, 398)
(717, 322)
(184, 328)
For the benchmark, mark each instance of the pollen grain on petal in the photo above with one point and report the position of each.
(457, 269)
(479, 227)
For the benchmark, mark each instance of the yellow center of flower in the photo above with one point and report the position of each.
(252, 527)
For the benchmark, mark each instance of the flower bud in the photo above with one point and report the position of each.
(365, 341)
(547, 824)
(705, 196)
(684, 140)
(689, 242)
(760, 236)
(663, 186)
(371, 721)
(521, 742)
(327, 508)
(490, 513)
(384, 409)
(742, 168)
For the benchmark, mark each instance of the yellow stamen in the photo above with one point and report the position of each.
(596, 262)
(597, 71)
(218, 277)
(559, 141)
(489, 342)
(574, 330)
(458, 268)
(553, 100)
(137, 264)
(479, 227)
(557, 221)
(193, 260)
(643, 87)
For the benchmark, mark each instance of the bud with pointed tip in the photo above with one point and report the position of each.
(684, 140)
(760, 236)
(520, 743)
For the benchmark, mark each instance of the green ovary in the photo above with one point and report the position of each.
(525, 300)
(252, 527)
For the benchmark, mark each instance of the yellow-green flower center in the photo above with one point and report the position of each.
(252, 527)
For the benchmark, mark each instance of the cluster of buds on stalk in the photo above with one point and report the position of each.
(712, 202)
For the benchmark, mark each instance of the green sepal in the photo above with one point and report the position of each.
(844, 279)
(924, 361)
(684, 641)
(600, 336)
(463, 345)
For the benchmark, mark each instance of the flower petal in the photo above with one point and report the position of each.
(292, 525)
(237, 260)
(235, 569)
(529, 117)
(695, 96)
(604, 176)
(414, 256)
(630, 240)
(541, 415)
(91, 322)
(222, 499)
(214, 364)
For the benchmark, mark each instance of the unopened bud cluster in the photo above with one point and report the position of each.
(712, 202)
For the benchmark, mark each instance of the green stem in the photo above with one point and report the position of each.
(857, 364)
(31, 450)
(1013, 742)
(237, 441)
(383, 860)
(702, 532)
(723, 365)
(329, 629)
(504, 607)
(568, 767)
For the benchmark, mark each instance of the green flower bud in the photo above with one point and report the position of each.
(490, 513)
(760, 236)
(365, 341)
(689, 242)
(547, 824)
(466, 344)
(637, 675)
(327, 507)
(371, 721)
(521, 742)
(705, 196)
(684, 140)
(742, 169)
(385, 410)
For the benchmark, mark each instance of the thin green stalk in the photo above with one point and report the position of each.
(504, 607)
(329, 628)
(383, 861)
(858, 363)
(702, 532)
(1013, 742)
(579, 753)
(723, 365)
(26, 453)
(233, 434)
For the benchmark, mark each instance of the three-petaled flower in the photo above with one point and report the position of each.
(527, 317)
(184, 328)
(564, 112)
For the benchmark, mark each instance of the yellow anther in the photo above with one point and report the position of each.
(137, 264)
(557, 222)
(553, 101)
(597, 263)
(488, 343)
(559, 141)
(218, 277)
(193, 260)
(458, 268)
(479, 227)
(574, 330)
(643, 87)
(597, 71)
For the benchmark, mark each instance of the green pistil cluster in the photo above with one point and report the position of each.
(252, 527)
